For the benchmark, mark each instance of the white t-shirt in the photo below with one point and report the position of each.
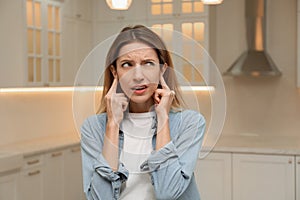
(136, 149)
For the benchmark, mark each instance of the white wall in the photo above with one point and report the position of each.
(260, 105)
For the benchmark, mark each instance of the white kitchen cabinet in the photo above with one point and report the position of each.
(12, 40)
(80, 9)
(297, 177)
(177, 9)
(9, 184)
(54, 176)
(31, 180)
(298, 45)
(73, 188)
(263, 177)
(76, 44)
(213, 176)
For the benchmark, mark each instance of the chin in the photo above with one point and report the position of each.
(139, 99)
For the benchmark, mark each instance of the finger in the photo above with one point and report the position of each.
(163, 82)
(119, 95)
(113, 87)
(124, 105)
(156, 97)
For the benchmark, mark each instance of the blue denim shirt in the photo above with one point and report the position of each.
(171, 168)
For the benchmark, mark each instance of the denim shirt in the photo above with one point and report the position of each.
(171, 168)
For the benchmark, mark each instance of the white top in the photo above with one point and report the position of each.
(137, 147)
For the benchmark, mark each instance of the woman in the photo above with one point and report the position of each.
(142, 144)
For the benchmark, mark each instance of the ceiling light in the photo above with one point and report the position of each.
(118, 4)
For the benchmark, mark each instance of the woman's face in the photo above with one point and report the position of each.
(138, 71)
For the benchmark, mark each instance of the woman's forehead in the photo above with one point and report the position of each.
(137, 49)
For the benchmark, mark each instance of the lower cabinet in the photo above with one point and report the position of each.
(31, 176)
(9, 186)
(53, 175)
(234, 176)
(73, 188)
(263, 177)
(213, 176)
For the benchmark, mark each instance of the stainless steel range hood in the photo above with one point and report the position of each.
(255, 61)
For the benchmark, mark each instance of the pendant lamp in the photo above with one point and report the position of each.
(118, 4)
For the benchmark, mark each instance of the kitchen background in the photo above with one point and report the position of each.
(257, 107)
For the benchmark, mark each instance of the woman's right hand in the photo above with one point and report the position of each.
(116, 104)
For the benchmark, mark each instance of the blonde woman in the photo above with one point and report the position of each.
(142, 144)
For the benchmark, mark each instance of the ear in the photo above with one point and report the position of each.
(113, 71)
(163, 69)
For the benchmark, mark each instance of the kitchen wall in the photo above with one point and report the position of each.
(25, 116)
(263, 106)
(259, 106)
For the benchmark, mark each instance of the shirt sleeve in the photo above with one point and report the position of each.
(172, 166)
(99, 180)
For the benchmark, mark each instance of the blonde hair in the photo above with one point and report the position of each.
(140, 33)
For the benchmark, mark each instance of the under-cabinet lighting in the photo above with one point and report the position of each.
(86, 89)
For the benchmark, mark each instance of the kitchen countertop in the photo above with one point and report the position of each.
(278, 145)
(42, 145)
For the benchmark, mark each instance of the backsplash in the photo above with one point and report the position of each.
(25, 116)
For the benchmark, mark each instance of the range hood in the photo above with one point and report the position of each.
(255, 61)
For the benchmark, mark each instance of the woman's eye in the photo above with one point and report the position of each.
(126, 64)
(150, 63)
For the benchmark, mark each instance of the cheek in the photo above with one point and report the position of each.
(124, 80)
(153, 76)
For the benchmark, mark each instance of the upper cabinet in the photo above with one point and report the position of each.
(298, 45)
(168, 18)
(50, 39)
(169, 9)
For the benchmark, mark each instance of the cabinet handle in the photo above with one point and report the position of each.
(56, 154)
(73, 150)
(290, 161)
(34, 173)
(33, 162)
(299, 162)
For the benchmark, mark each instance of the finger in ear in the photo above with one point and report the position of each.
(164, 68)
(113, 71)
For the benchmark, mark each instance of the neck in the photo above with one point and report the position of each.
(141, 107)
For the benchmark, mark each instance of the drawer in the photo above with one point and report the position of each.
(33, 161)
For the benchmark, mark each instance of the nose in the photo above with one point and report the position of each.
(138, 75)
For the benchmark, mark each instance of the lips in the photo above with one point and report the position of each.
(139, 89)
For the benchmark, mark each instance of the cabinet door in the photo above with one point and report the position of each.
(188, 49)
(31, 187)
(263, 177)
(298, 178)
(9, 186)
(298, 45)
(79, 9)
(170, 9)
(53, 176)
(73, 188)
(76, 44)
(213, 176)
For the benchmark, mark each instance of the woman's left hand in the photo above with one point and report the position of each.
(163, 99)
